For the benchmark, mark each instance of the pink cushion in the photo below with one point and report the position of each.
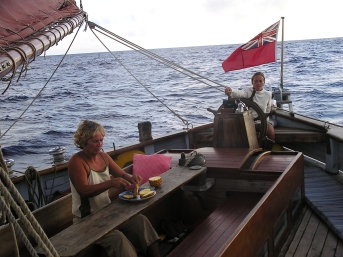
(150, 165)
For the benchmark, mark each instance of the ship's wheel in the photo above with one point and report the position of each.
(248, 103)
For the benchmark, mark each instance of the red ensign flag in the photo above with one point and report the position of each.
(259, 50)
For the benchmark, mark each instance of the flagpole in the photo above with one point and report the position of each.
(282, 48)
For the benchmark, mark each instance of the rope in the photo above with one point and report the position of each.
(16, 249)
(156, 57)
(4, 166)
(40, 92)
(53, 182)
(33, 182)
(122, 64)
(13, 72)
(23, 212)
(16, 228)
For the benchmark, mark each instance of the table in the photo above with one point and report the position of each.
(245, 163)
(230, 159)
(82, 235)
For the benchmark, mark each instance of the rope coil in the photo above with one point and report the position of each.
(26, 217)
(33, 184)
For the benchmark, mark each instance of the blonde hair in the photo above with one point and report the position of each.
(85, 131)
(258, 74)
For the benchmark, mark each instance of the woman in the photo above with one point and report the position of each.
(262, 98)
(89, 171)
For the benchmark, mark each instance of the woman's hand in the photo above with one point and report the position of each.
(228, 90)
(136, 179)
(119, 182)
(133, 179)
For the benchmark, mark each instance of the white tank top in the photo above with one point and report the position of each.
(96, 202)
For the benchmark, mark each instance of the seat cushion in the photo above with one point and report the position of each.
(150, 165)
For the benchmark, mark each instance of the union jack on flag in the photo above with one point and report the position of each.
(259, 50)
(267, 36)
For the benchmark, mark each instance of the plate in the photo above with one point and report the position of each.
(196, 167)
(138, 199)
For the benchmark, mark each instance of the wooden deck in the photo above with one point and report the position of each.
(326, 200)
(312, 237)
(214, 231)
(320, 227)
(318, 231)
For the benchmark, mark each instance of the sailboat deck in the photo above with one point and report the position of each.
(312, 237)
(326, 200)
(319, 229)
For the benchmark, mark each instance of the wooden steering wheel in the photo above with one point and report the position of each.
(249, 103)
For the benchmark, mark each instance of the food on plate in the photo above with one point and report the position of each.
(144, 191)
(127, 196)
(135, 191)
(147, 194)
(155, 181)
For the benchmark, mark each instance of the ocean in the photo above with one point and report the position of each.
(96, 87)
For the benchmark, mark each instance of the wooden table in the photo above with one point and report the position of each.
(230, 159)
(231, 163)
(82, 235)
(226, 162)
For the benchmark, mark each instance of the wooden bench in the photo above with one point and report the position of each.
(251, 223)
(210, 235)
(282, 135)
(53, 218)
(291, 135)
(79, 239)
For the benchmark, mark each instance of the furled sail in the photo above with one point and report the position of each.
(30, 27)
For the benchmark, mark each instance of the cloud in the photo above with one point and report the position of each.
(181, 23)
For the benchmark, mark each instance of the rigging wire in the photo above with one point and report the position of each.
(156, 57)
(40, 92)
(122, 64)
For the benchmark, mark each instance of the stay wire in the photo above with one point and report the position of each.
(122, 64)
(156, 57)
(39, 93)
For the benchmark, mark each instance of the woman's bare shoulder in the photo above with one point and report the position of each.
(75, 160)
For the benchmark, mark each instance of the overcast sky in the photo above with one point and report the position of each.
(181, 23)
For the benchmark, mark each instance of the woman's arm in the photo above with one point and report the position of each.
(119, 173)
(236, 93)
(78, 174)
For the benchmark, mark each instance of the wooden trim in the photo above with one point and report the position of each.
(259, 159)
(290, 135)
(271, 205)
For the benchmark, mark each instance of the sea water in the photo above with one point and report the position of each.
(97, 87)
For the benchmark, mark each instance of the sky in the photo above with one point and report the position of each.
(155, 24)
